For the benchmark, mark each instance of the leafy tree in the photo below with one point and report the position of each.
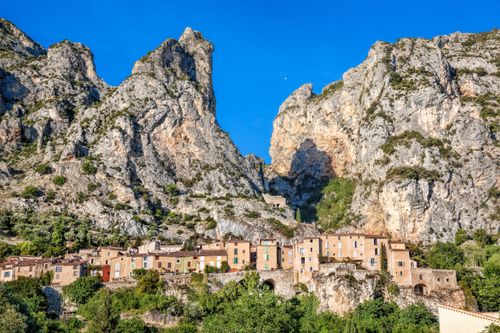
(11, 320)
(134, 325)
(149, 281)
(445, 256)
(102, 316)
(81, 290)
(482, 237)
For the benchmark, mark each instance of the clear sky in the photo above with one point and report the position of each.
(263, 49)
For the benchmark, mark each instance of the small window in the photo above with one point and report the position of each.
(189, 264)
(6, 274)
(376, 252)
(311, 249)
(58, 269)
(75, 273)
(447, 280)
(420, 277)
(439, 279)
(169, 265)
(159, 265)
(401, 263)
(235, 260)
(235, 252)
(58, 277)
(400, 273)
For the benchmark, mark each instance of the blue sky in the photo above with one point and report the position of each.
(263, 49)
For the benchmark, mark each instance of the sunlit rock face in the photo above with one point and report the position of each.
(415, 125)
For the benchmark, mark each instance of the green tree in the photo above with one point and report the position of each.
(482, 237)
(11, 320)
(81, 290)
(134, 325)
(148, 281)
(445, 256)
(103, 317)
(298, 218)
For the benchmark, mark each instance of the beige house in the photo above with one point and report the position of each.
(267, 255)
(461, 321)
(238, 254)
(67, 271)
(286, 257)
(306, 258)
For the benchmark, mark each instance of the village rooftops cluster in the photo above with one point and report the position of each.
(304, 257)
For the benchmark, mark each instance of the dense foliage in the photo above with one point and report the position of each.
(476, 258)
(333, 209)
(49, 234)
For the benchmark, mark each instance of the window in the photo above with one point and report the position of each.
(400, 273)
(189, 264)
(326, 245)
(266, 257)
(310, 259)
(420, 277)
(58, 269)
(169, 265)
(439, 279)
(355, 244)
(375, 241)
(447, 280)
(376, 252)
(75, 273)
(117, 266)
(310, 241)
(58, 276)
(339, 245)
(302, 260)
(31, 269)
(178, 261)
(301, 250)
(401, 263)
(310, 269)
(372, 262)
(311, 249)
(235, 252)
(235, 260)
(355, 254)
(6, 274)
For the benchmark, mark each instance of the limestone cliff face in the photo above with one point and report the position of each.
(145, 155)
(415, 125)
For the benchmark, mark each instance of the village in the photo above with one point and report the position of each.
(303, 257)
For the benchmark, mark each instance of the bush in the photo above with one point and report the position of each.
(59, 180)
(251, 214)
(81, 290)
(88, 168)
(30, 192)
(43, 169)
(171, 189)
(412, 172)
(280, 227)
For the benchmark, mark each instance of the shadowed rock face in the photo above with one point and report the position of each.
(158, 127)
(415, 125)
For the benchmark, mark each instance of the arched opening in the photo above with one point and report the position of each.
(420, 289)
(269, 283)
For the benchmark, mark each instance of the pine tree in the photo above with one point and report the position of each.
(298, 218)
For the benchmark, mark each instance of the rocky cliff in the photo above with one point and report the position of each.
(415, 127)
(147, 155)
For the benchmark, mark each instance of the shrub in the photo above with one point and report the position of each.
(280, 227)
(251, 214)
(30, 192)
(59, 180)
(43, 169)
(171, 189)
(412, 172)
(88, 167)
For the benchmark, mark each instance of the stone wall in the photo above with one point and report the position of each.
(281, 281)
